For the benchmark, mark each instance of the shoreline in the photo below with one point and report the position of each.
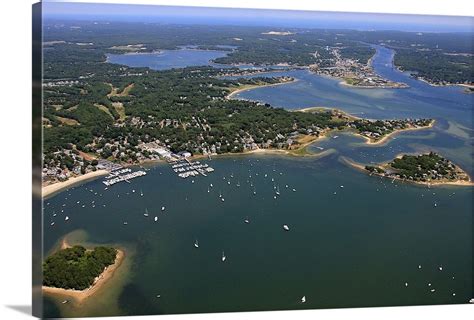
(361, 167)
(384, 139)
(400, 85)
(62, 185)
(79, 296)
(251, 87)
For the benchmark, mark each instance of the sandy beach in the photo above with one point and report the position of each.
(385, 138)
(250, 87)
(79, 296)
(361, 167)
(58, 186)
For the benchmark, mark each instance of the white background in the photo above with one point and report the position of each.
(15, 163)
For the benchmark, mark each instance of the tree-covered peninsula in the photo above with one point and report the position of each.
(424, 168)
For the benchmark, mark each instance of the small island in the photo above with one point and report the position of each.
(428, 168)
(79, 272)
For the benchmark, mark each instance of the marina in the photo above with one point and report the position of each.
(186, 168)
(122, 175)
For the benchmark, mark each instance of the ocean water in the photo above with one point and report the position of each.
(354, 240)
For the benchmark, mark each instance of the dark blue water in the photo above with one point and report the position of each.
(354, 240)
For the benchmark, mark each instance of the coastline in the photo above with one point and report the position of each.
(251, 87)
(60, 186)
(399, 85)
(462, 85)
(79, 296)
(385, 138)
(361, 167)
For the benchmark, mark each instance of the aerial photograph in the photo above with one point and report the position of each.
(201, 160)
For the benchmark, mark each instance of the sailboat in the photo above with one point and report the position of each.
(156, 219)
(286, 228)
(196, 244)
(303, 300)
(163, 208)
(223, 256)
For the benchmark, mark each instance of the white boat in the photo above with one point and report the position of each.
(163, 208)
(196, 244)
(223, 256)
(286, 228)
(211, 185)
(67, 218)
(220, 195)
(294, 190)
(222, 199)
(65, 301)
(146, 212)
(247, 220)
(52, 223)
(156, 219)
(133, 191)
(125, 223)
(141, 193)
(303, 300)
(208, 190)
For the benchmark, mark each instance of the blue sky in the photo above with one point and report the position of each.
(251, 17)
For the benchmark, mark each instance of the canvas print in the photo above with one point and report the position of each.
(198, 160)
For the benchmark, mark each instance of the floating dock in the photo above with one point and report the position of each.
(121, 175)
(185, 169)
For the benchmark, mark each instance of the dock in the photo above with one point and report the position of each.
(122, 175)
(187, 168)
